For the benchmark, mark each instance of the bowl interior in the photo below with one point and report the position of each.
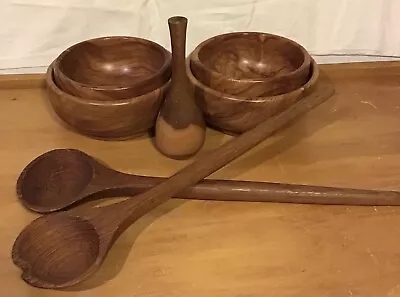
(208, 93)
(251, 55)
(109, 62)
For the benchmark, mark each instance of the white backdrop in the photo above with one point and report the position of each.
(34, 32)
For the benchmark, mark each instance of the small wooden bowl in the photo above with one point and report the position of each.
(114, 67)
(107, 120)
(235, 115)
(251, 64)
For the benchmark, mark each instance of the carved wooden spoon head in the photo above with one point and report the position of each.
(54, 180)
(56, 251)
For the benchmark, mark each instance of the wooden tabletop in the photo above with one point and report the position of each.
(210, 249)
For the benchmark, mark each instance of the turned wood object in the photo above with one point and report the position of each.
(43, 188)
(251, 64)
(180, 127)
(112, 67)
(235, 115)
(107, 120)
(64, 248)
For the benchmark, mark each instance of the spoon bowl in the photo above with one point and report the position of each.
(63, 250)
(54, 179)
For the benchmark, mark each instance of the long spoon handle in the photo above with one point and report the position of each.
(211, 162)
(254, 191)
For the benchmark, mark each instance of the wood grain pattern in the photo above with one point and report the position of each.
(107, 120)
(233, 115)
(265, 248)
(180, 126)
(251, 64)
(112, 67)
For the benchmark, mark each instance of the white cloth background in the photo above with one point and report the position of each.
(34, 32)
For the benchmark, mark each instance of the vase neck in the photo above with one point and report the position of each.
(177, 28)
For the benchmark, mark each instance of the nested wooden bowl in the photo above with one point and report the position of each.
(235, 115)
(113, 67)
(108, 120)
(251, 64)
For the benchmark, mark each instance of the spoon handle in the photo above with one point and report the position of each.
(255, 191)
(123, 214)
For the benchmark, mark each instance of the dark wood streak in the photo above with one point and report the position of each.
(179, 108)
(180, 127)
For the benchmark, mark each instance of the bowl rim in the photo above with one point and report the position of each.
(164, 68)
(50, 83)
(196, 59)
(314, 75)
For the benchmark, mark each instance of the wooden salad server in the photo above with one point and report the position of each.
(61, 178)
(180, 127)
(64, 248)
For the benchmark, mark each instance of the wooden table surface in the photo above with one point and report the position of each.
(218, 249)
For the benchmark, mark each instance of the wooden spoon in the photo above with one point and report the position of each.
(62, 177)
(64, 248)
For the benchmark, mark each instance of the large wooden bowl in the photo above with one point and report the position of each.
(235, 115)
(114, 67)
(251, 64)
(113, 120)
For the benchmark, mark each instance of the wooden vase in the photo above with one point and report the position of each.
(180, 127)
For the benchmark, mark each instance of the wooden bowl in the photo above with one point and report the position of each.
(251, 64)
(235, 115)
(114, 67)
(113, 120)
